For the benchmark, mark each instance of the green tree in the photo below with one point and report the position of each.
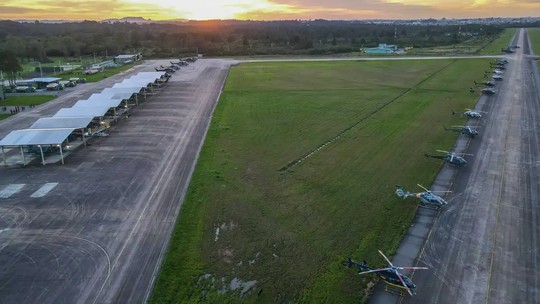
(9, 65)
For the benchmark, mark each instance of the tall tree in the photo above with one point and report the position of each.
(9, 65)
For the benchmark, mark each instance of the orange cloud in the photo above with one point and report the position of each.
(266, 9)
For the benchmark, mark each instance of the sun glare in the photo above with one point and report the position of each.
(221, 9)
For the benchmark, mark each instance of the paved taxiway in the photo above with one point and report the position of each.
(97, 228)
(94, 230)
(483, 248)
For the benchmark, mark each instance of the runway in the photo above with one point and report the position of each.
(484, 247)
(95, 230)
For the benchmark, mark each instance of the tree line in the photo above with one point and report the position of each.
(38, 41)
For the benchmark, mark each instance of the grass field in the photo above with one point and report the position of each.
(494, 48)
(95, 77)
(57, 61)
(4, 116)
(534, 36)
(471, 46)
(30, 100)
(274, 236)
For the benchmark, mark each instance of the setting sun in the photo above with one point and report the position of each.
(227, 9)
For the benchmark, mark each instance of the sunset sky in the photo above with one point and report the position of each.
(266, 9)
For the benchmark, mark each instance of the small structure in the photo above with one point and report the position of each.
(40, 82)
(382, 49)
(125, 59)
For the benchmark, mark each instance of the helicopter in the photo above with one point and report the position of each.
(487, 83)
(390, 274)
(498, 66)
(466, 130)
(470, 113)
(163, 69)
(507, 50)
(488, 91)
(450, 157)
(502, 61)
(497, 77)
(498, 72)
(426, 198)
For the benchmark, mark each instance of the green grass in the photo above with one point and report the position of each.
(534, 36)
(4, 116)
(290, 230)
(26, 100)
(95, 77)
(471, 46)
(494, 48)
(56, 61)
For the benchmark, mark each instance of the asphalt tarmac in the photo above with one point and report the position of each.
(483, 247)
(95, 229)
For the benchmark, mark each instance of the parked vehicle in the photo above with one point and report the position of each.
(54, 87)
(25, 89)
(68, 83)
(90, 71)
(78, 80)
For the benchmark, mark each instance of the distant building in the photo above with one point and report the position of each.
(40, 82)
(382, 49)
(125, 59)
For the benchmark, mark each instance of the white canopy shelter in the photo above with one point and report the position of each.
(35, 137)
(62, 122)
(98, 111)
(111, 103)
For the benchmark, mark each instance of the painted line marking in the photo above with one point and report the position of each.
(46, 188)
(11, 189)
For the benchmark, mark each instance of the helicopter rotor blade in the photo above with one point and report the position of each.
(375, 270)
(442, 151)
(423, 187)
(390, 263)
(403, 282)
(406, 268)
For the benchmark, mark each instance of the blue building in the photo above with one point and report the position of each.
(383, 48)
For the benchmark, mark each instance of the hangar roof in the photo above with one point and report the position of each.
(36, 137)
(83, 112)
(62, 122)
(90, 103)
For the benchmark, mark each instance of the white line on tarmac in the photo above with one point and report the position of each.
(46, 188)
(10, 189)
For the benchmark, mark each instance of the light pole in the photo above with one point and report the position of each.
(40, 69)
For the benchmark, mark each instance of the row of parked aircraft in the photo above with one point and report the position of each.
(428, 198)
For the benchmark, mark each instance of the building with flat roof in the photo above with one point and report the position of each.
(383, 48)
(125, 59)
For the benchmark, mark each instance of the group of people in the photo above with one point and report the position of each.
(17, 109)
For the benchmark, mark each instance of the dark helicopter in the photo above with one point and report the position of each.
(497, 77)
(465, 130)
(486, 83)
(163, 69)
(498, 66)
(488, 91)
(390, 274)
(426, 198)
(450, 157)
(507, 50)
(470, 113)
(502, 61)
